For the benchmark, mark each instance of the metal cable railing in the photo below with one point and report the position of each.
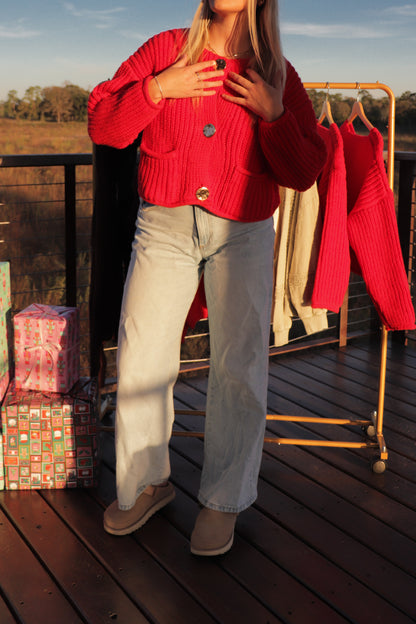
(46, 205)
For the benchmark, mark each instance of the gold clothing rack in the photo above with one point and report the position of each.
(372, 426)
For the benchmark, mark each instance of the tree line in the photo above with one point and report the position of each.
(66, 103)
(69, 103)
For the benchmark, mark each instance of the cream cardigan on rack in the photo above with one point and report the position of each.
(298, 235)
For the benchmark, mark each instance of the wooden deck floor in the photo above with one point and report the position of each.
(327, 541)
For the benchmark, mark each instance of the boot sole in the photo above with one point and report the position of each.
(214, 551)
(142, 520)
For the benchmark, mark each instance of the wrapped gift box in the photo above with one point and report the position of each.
(49, 440)
(6, 340)
(46, 348)
(5, 296)
(1, 464)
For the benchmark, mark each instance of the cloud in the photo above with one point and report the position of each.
(79, 72)
(17, 32)
(405, 10)
(77, 65)
(104, 18)
(332, 31)
(133, 34)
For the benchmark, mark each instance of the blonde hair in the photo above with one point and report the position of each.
(264, 37)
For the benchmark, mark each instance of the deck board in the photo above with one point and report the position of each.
(26, 586)
(128, 562)
(326, 541)
(322, 537)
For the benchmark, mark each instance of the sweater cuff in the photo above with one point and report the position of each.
(286, 119)
(270, 123)
(281, 337)
(315, 323)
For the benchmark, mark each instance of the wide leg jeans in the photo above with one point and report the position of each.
(171, 249)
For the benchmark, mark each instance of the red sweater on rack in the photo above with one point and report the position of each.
(334, 266)
(240, 166)
(372, 229)
(360, 228)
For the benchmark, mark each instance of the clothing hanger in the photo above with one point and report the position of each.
(326, 110)
(358, 111)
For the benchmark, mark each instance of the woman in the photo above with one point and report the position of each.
(225, 120)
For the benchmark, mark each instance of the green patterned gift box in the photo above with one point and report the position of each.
(5, 296)
(1, 464)
(50, 439)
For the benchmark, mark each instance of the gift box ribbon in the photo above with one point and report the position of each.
(50, 348)
(45, 310)
(83, 391)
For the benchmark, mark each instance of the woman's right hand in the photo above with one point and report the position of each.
(181, 80)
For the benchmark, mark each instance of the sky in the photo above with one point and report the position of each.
(50, 42)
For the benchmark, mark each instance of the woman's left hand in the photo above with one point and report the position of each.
(255, 94)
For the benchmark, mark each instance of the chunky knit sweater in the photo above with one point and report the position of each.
(360, 228)
(238, 167)
(372, 229)
(334, 265)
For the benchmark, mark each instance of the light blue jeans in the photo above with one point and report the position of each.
(171, 249)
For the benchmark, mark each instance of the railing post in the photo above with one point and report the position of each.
(407, 172)
(343, 322)
(70, 236)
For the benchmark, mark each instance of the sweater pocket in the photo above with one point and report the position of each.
(159, 175)
(251, 192)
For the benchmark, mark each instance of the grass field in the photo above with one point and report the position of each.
(405, 142)
(41, 137)
(37, 137)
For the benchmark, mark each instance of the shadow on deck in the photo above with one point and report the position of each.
(327, 540)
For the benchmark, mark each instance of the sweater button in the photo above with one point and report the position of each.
(221, 63)
(209, 130)
(202, 193)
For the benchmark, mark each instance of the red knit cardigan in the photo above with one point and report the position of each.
(334, 266)
(241, 165)
(360, 214)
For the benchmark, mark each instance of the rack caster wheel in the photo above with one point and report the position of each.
(370, 431)
(378, 466)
